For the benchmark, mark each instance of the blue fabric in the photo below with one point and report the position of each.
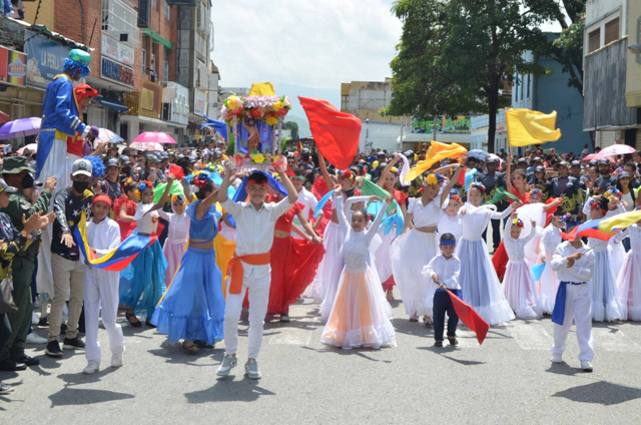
(193, 307)
(143, 282)
(558, 313)
(220, 126)
(537, 271)
(59, 112)
(321, 203)
(241, 192)
(204, 229)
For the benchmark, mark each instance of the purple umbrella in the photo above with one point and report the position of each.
(20, 128)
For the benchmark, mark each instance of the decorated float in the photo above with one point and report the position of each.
(255, 122)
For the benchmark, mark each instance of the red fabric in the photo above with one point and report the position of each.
(83, 91)
(400, 197)
(285, 222)
(470, 317)
(550, 212)
(587, 233)
(335, 133)
(388, 285)
(461, 177)
(499, 260)
(177, 171)
(130, 209)
(319, 188)
(75, 145)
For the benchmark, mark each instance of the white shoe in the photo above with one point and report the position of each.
(251, 369)
(228, 363)
(35, 318)
(586, 366)
(92, 367)
(116, 360)
(35, 339)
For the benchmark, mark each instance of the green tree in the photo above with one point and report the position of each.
(455, 56)
(293, 126)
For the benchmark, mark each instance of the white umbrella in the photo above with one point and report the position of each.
(31, 147)
(146, 146)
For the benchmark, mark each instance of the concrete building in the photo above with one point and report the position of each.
(612, 75)
(478, 132)
(550, 92)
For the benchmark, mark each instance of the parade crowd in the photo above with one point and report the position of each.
(184, 241)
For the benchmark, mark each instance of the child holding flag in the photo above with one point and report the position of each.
(101, 288)
(444, 271)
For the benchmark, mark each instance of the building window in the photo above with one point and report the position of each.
(527, 87)
(121, 21)
(144, 60)
(165, 67)
(594, 40)
(611, 31)
(166, 9)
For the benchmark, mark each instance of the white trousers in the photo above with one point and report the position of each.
(101, 291)
(256, 279)
(578, 307)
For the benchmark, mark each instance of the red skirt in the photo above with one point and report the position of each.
(294, 263)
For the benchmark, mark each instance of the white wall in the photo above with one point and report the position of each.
(380, 136)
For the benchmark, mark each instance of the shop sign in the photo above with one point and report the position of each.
(117, 51)
(117, 72)
(13, 67)
(45, 58)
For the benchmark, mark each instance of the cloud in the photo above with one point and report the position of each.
(312, 43)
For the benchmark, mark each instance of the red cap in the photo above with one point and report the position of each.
(85, 90)
(102, 198)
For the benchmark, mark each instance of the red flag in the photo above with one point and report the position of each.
(470, 317)
(461, 177)
(336, 133)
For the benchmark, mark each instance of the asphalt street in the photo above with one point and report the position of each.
(509, 379)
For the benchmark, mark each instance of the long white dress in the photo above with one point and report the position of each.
(549, 283)
(480, 285)
(629, 278)
(518, 285)
(360, 313)
(176, 242)
(450, 224)
(616, 250)
(605, 305)
(411, 252)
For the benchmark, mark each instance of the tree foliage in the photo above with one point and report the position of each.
(293, 126)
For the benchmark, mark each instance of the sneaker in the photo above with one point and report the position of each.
(284, 318)
(91, 368)
(29, 361)
(228, 363)
(116, 360)
(43, 322)
(557, 359)
(453, 341)
(35, 339)
(5, 389)
(73, 343)
(251, 369)
(586, 366)
(35, 318)
(11, 366)
(438, 343)
(53, 349)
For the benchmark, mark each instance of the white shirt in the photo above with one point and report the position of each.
(474, 220)
(104, 236)
(425, 215)
(178, 226)
(147, 223)
(255, 228)
(447, 269)
(581, 270)
(550, 240)
(308, 199)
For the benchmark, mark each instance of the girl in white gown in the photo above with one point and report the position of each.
(479, 282)
(518, 285)
(615, 246)
(177, 235)
(415, 248)
(450, 221)
(629, 277)
(360, 313)
(605, 305)
(549, 283)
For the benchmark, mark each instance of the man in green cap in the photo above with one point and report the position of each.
(17, 173)
(12, 243)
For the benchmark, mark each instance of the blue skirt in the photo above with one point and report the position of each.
(193, 307)
(143, 281)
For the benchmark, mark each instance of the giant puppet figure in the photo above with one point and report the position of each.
(61, 122)
(61, 142)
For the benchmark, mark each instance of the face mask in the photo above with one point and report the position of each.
(27, 181)
(80, 186)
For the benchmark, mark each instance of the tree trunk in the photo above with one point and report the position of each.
(491, 128)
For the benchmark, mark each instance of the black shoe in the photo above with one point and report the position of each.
(63, 329)
(11, 366)
(43, 322)
(29, 361)
(73, 343)
(149, 324)
(438, 343)
(284, 318)
(453, 341)
(203, 344)
(53, 349)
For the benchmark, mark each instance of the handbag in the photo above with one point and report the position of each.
(7, 305)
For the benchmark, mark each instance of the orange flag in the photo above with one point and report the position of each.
(436, 153)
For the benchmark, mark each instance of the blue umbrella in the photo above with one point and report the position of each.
(478, 154)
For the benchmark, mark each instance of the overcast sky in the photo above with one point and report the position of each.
(310, 43)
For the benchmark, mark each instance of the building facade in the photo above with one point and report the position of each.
(550, 92)
(611, 72)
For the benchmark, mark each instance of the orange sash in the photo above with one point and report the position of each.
(235, 268)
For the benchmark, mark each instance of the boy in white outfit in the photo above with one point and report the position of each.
(573, 262)
(101, 288)
(250, 268)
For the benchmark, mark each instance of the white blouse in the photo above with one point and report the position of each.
(515, 248)
(474, 220)
(147, 222)
(425, 215)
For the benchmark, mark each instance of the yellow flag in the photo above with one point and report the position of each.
(620, 221)
(262, 89)
(527, 127)
(437, 152)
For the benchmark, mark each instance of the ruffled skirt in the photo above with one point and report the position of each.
(410, 252)
(193, 307)
(142, 283)
(605, 305)
(629, 284)
(360, 316)
(479, 283)
(384, 260)
(548, 287)
(520, 292)
(173, 251)
(324, 286)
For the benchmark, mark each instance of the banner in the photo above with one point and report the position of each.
(13, 67)
(45, 58)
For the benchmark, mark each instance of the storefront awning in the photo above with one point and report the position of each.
(110, 104)
(157, 37)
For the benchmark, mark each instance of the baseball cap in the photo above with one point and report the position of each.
(4, 187)
(112, 162)
(81, 167)
(15, 165)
